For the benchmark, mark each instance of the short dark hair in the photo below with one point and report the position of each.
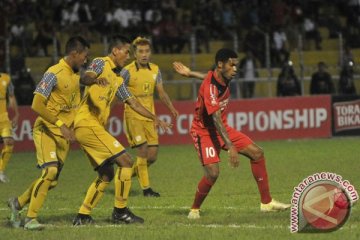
(76, 43)
(224, 54)
(117, 41)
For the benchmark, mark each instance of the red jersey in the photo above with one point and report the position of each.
(213, 95)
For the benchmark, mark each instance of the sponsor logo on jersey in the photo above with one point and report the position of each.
(138, 138)
(116, 144)
(52, 154)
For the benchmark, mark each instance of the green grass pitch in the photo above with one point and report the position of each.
(231, 210)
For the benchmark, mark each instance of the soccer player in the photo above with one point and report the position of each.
(211, 133)
(6, 88)
(56, 99)
(142, 78)
(102, 149)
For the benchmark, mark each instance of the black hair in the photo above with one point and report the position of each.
(76, 43)
(117, 41)
(224, 54)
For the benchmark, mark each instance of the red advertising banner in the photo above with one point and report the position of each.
(261, 119)
(283, 118)
(346, 115)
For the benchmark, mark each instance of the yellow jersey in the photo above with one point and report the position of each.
(141, 83)
(61, 87)
(6, 87)
(96, 105)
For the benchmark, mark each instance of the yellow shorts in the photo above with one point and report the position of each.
(139, 132)
(6, 129)
(98, 144)
(50, 148)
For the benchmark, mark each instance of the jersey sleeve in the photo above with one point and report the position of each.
(96, 66)
(46, 85)
(123, 93)
(158, 77)
(125, 74)
(211, 98)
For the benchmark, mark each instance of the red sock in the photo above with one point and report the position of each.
(202, 191)
(258, 169)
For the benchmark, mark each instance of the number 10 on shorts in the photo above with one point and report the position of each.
(210, 152)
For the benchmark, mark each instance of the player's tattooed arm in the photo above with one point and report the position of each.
(216, 116)
(233, 154)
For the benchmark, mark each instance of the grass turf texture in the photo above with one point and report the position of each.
(231, 210)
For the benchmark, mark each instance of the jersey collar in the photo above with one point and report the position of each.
(112, 64)
(65, 64)
(113, 67)
(137, 66)
(218, 79)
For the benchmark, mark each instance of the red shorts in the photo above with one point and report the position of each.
(208, 146)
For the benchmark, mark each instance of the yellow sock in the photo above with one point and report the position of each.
(122, 186)
(5, 156)
(26, 196)
(93, 196)
(143, 173)
(40, 190)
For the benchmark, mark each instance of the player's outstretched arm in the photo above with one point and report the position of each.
(233, 154)
(137, 107)
(183, 70)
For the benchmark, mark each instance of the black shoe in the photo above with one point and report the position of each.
(82, 219)
(125, 216)
(150, 193)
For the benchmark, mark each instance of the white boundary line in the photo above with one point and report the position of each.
(146, 207)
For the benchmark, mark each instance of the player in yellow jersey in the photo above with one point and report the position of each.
(56, 100)
(102, 149)
(142, 78)
(6, 88)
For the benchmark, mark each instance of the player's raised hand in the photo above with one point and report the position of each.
(101, 82)
(175, 113)
(67, 133)
(233, 157)
(14, 121)
(180, 68)
(163, 125)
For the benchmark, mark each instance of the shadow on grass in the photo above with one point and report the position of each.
(133, 192)
(4, 223)
(67, 219)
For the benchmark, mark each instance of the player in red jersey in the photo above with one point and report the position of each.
(211, 133)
